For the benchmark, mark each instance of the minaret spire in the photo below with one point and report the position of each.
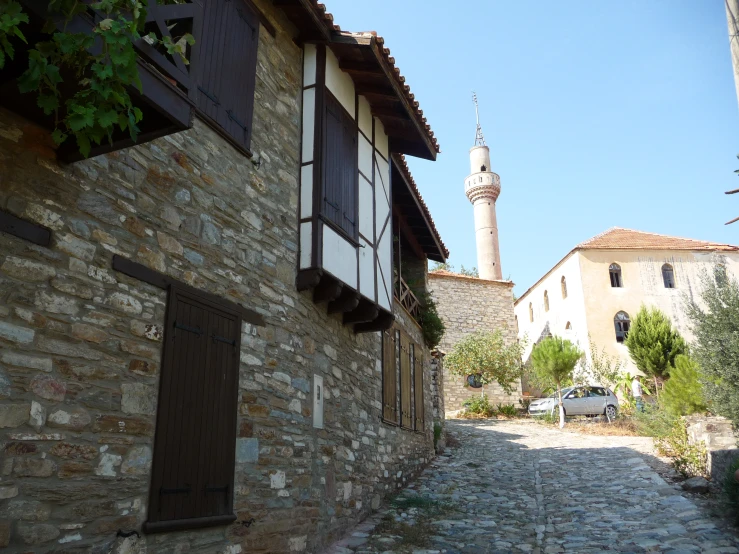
(482, 188)
(479, 138)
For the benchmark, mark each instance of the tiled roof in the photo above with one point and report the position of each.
(328, 20)
(403, 166)
(447, 273)
(618, 238)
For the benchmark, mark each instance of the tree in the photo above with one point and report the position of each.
(715, 323)
(446, 266)
(555, 359)
(653, 344)
(487, 355)
(472, 272)
(600, 369)
(683, 393)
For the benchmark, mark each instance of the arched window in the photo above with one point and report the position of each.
(568, 327)
(622, 324)
(531, 312)
(564, 287)
(546, 301)
(615, 273)
(668, 276)
(515, 317)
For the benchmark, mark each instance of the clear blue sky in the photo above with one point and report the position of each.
(597, 114)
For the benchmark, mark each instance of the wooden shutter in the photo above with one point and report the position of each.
(227, 65)
(195, 442)
(406, 419)
(340, 167)
(418, 388)
(389, 375)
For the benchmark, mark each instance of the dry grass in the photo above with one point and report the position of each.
(467, 415)
(622, 427)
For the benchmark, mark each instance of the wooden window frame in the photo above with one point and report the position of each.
(616, 276)
(329, 97)
(226, 444)
(668, 282)
(390, 366)
(622, 326)
(406, 383)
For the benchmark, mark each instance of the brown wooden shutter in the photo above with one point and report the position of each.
(340, 167)
(389, 376)
(195, 442)
(227, 67)
(418, 388)
(406, 419)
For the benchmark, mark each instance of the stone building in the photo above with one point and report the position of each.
(598, 287)
(470, 304)
(191, 353)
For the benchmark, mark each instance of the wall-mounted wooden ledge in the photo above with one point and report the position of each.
(162, 281)
(32, 232)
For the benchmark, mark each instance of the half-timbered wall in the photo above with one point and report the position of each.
(363, 262)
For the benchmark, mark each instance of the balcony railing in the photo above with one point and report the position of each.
(407, 299)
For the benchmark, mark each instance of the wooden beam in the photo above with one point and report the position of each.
(366, 311)
(365, 89)
(328, 289)
(386, 111)
(348, 300)
(25, 230)
(408, 233)
(307, 279)
(363, 67)
(162, 281)
(381, 323)
(308, 16)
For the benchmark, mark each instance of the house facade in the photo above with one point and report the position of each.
(202, 343)
(596, 290)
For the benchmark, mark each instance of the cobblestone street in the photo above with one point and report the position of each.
(515, 486)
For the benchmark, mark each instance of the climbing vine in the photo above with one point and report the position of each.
(103, 64)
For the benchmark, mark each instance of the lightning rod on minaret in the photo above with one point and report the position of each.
(479, 139)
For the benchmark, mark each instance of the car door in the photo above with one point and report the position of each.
(575, 402)
(596, 400)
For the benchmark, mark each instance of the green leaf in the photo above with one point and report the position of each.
(48, 102)
(52, 72)
(58, 136)
(107, 118)
(83, 143)
(102, 71)
(106, 24)
(79, 121)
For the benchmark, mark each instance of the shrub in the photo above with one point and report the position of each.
(653, 422)
(507, 410)
(431, 324)
(438, 430)
(479, 405)
(683, 394)
(687, 459)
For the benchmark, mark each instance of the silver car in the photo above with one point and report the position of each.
(588, 400)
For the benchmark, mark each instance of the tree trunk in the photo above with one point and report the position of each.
(561, 407)
(656, 387)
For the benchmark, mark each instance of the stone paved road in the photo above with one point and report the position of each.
(516, 486)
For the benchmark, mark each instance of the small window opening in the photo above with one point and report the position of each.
(622, 324)
(668, 276)
(546, 301)
(483, 168)
(615, 274)
(568, 327)
(564, 287)
(531, 312)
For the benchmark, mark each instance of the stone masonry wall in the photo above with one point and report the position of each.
(80, 344)
(466, 305)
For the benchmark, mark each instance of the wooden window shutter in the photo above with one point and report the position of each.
(406, 419)
(227, 68)
(418, 388)
(340, 167)
(195, 443)
(389, 375)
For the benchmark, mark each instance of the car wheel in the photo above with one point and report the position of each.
(611, 412)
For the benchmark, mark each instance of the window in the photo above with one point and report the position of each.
(531, 312)
(417, 362)
(564, 287)
(390, 375)
(615, 273)
(515, 319)
(474, 381)
(546, 301)
(668, 276)
(568, 326)
(622, 324)
(596, 391)
(227, 66)
(340, 171)
(195, 443)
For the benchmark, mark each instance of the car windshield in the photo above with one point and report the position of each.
(564, 393)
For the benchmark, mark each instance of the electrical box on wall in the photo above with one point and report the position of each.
(318, 394)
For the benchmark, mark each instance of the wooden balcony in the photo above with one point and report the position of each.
(407, 299)
(166, 97)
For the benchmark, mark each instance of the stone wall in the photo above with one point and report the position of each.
(466, 305)
(717, 433)
(80, 344)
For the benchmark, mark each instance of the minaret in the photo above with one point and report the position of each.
(482, 188)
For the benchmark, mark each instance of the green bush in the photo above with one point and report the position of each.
(479, 405)
(431, 324)
(683, 394)
(732, 487)
(654, 422)
(508, 410)
(687, 459)
(438, 429)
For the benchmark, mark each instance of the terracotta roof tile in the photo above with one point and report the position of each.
(328, 21)
(618, 238)
(403, 166)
